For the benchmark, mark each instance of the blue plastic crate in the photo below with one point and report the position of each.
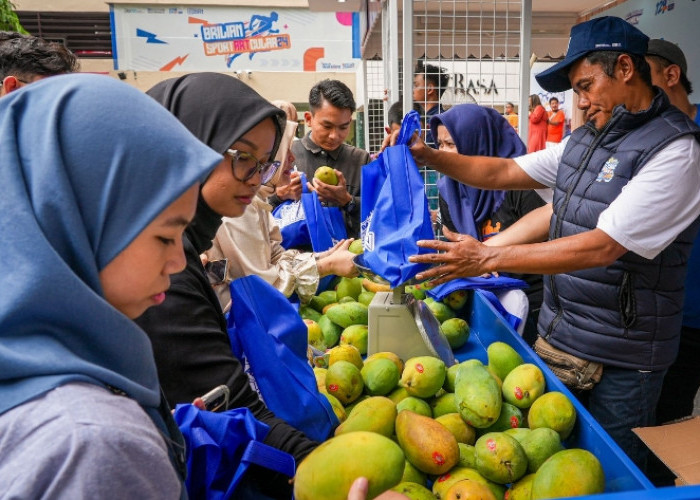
(623, 479)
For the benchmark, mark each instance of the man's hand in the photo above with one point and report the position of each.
(463, 257)
(329, 193)
(291, 191)
(421, 152)
(359, 488)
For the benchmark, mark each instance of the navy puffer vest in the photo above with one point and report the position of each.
(629, 313)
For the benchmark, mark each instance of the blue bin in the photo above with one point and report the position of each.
(623, 479)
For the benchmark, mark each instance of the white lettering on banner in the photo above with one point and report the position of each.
(221, 32)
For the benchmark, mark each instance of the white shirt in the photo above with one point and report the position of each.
(653, 208)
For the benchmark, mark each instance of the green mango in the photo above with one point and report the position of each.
(456, 331)
(365, 297)
(350, 313)
(478, 395)
(374, 414)
(380, 376)
(539, 445)
(442, 405)
(416, 405)
(344, 381)
(502, 358)
(523, 385)
(423, 376)
(331, 332)
(500, 458)
(413, 475)
(355, 335)
(568, 473)
(352, 455)
(349, 287)
(324, 298)
(414, 491)
(307, 312)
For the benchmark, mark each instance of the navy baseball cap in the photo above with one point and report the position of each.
(603, 33)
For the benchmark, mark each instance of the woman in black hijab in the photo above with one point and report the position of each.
(188, 330)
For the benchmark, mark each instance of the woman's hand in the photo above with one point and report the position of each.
(338, 260)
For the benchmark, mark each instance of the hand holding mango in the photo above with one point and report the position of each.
(331, 186)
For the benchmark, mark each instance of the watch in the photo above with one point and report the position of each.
(350, 206)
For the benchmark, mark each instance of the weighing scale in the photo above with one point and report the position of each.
(401, 324)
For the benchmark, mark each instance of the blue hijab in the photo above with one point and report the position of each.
(87, 163)
(476, 131)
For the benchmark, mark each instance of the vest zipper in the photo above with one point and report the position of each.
(562, 208)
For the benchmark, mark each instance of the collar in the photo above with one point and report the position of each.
(202, 229)
(316, 149)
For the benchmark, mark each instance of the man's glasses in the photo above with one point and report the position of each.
(244, 166)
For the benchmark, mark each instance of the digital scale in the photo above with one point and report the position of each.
(401, 324)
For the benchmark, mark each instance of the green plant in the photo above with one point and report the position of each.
(8, 18)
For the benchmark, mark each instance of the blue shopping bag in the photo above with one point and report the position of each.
(221, 446)
(394, 209)
(266, 330)
(307, 222)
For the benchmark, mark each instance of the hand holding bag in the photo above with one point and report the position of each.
(394, 209)
(267, 330)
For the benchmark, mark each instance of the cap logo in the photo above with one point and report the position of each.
(599, 45)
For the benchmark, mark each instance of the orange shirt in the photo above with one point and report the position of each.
(555, 132)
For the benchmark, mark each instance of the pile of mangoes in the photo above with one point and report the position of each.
(339, 316)
(430, 431)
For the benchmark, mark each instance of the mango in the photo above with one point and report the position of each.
(450, 376)
(456, 331)
(398, 395)
(467, 456)
(521, 489)
(467, 488)
(320, 375)
(318, 302)
(427, 444)
(502, 358)
(372, 286)
(346, 299)
(443, 483)
(336, 405)
(348, 287)
(418, 293)
(462, 432)
(500, 458)
(414, 491)
(331, 332)
(457, 299)
(442, 312)
(413, 475)
(478, 396)
(345, 353)
(350, 313)
(387, 355)
(351, 406)
(442, 405)
(415, 405)
(365, 297)
(308, 312)
(355, 335)
(423, 376)
(510, 418)
(375, 414)
(553, 410)
(380, 376)
(328, 307)
(344, 381)
(382, 463)
(569, 473)
(539, 445)
(519, 433)
(356, 247)
(327, 175)
(314, 335)
(523, 385)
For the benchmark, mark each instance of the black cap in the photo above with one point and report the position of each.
(603, 33)
(669, 51)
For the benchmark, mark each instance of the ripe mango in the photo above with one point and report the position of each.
(442, 405)
(356, 247)
(569, 473)
(320, 375)
(457, 299)
(502, 358)
(478, 396)
(553, 410)
(427, 444)
(423, 376)
(344, 381)
(380, 376)
(539, 445)
(467, 488)
(500, 458)
(350, 313)
(355, 335)
(413, 475)
(372, 286)
(331, 331)
(443, 483)
(345, 353)
(314, 335)
(414, 491)
(351, 455)
(374, 414)
(351, 406)
(462, 432)
(388, 355)
(521, 489)
(327, 175)
(523, 385)
(456, 331)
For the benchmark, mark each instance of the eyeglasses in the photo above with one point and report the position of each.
(244, 166)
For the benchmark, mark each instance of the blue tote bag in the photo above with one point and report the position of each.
(221, 446)
(394, 209)
(307, 222)
(266, 329)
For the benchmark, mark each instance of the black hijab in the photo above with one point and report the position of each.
(218, 109)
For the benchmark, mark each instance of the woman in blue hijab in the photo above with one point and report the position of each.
(99, 183)
(469, 129)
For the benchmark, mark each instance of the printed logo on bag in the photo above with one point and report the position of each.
(367, 235)
(289, 213)
(608, 171)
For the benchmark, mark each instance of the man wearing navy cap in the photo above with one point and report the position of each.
(626, 207)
